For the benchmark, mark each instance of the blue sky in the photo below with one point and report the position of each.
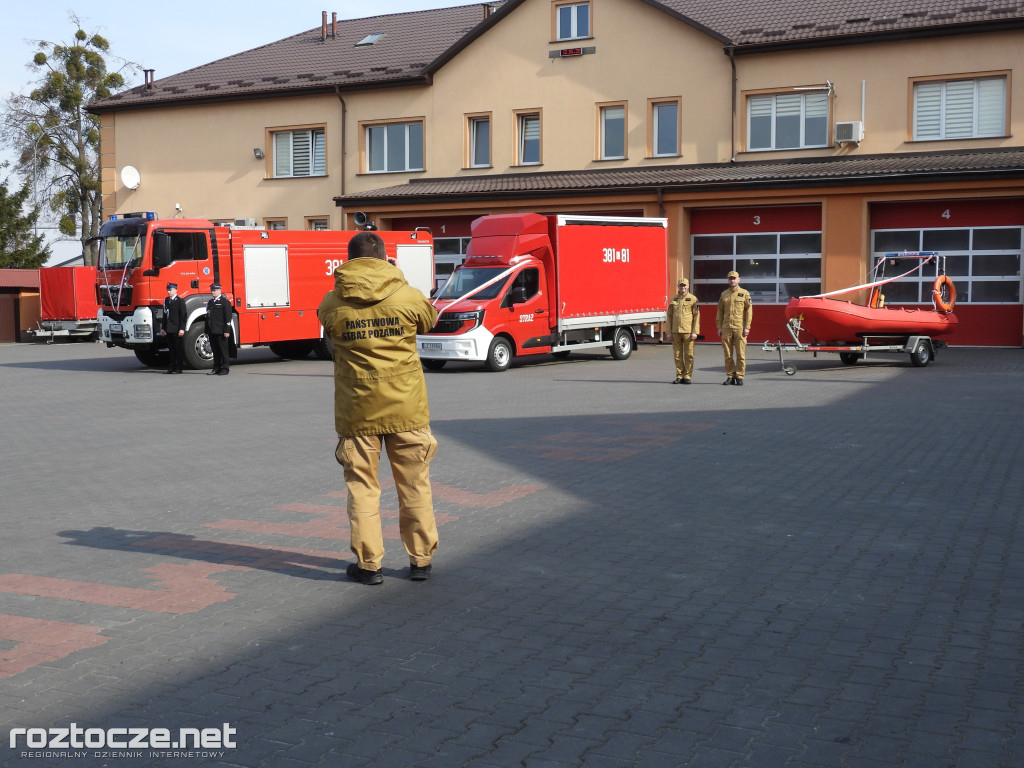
(167, 37)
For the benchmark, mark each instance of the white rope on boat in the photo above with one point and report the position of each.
(877, 282)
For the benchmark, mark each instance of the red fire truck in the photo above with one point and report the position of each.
(275, 280)
(67, 303)
(534, 284)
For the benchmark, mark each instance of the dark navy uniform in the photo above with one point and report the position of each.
(218, 328)
(175, 318)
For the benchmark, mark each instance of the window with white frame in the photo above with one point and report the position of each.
(393, 147)
(480, 141)
(960, 109)
(787, 121)
(984, 263)
(775, 266)
(665, 128)
(572, 21)
(528, 131)
(299, 153)
(613, 132)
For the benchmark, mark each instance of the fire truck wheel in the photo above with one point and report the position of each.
(198, 351)
(152, 357)
(622, 344)
(292, 350)
(434, 365)
(499, 356)
(323, 349)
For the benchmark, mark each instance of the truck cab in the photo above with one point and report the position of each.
(138, 256)
(534, 284)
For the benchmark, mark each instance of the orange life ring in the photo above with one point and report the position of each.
(943, 305)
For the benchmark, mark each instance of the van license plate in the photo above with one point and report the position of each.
(436, 345)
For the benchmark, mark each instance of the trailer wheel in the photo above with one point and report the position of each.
(198, 351)
(790, 369)
(499, 356)
(434, 365)
(622, 344)
(152, 357)
(562, 355)
(850, 358)
(922, 354)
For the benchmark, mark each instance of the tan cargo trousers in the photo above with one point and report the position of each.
(682, 349)
(734, 343)
(410, 454)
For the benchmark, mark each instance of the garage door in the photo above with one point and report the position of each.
(776, 250)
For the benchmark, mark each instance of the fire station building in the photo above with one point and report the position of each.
(796, 142)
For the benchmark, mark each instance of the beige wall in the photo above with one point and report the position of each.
(886, 71)
(202, 156)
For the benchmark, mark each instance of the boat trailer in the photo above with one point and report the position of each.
(920, 348)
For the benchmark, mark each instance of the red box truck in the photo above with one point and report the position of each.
(275, 280)
(534, 284)
(67, 303)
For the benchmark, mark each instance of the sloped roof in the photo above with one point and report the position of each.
(773, 22)
(308, 63)
(802, 172)
(415, 44)
(19, 278)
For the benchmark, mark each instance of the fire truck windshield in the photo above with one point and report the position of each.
(121, 247)
(466, 279)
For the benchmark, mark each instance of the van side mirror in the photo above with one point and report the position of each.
(517, 295)
(162, 256)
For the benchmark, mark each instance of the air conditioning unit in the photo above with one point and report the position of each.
(850, 133)
(244, 223)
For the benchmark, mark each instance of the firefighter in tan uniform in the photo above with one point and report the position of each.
(735, 313)
(684, 324)
(380, 398)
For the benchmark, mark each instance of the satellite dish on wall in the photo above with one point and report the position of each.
(130, 177)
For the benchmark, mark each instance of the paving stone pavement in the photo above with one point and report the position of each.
(824, 569)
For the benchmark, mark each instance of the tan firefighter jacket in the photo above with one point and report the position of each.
(683, 315)
(735, 310)
(372, 316)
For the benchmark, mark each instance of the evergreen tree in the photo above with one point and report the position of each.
(20, 248)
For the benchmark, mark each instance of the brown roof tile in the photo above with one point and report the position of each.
(755, 22)
(803, 172)
(307, 62)
(416, 43)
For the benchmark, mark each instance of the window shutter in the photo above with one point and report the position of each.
(928, 111)
(992, 106)
(301, 153)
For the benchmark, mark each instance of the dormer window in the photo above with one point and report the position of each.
(572, 21)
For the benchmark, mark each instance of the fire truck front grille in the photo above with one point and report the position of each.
(448, 326)
(112, 296)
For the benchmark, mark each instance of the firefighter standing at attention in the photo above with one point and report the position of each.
(735, 313)
(380, 398)
(683, 323)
